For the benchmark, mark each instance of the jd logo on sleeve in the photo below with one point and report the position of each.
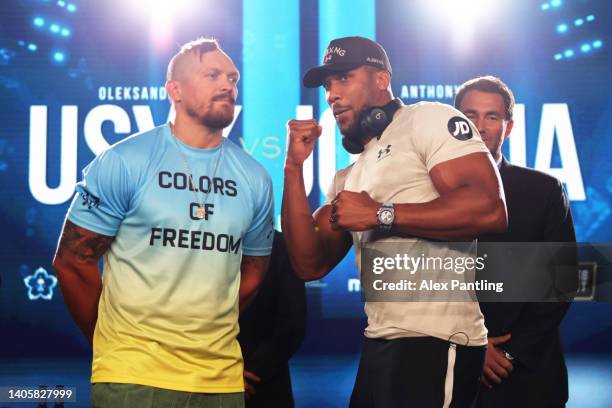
(459, 128)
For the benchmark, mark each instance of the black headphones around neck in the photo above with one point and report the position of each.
(373, 122)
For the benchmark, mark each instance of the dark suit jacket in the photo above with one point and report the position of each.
(272, 329)
(538, 211)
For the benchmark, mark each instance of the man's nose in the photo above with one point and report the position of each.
(227, 83)
(479, 125)
(332, 94)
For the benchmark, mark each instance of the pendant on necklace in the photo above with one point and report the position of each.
(201, 212)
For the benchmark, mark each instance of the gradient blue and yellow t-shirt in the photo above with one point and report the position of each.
(168, 314)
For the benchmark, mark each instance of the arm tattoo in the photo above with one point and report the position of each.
(257, 262)
(84, 244)
(249, 260)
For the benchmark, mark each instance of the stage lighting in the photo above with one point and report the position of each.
(163, 15)
(568, 53)
(32, 47)
(597, 44)
(71, 8)
(590, 18)
(555, 3)
(545, 6)
(462, 17)
(65, 32)
(562, 28)
(558, 56)
(54, 28)
(58, 57)
(578, 22)
(39, 21)
(61, 3)
(585, 47)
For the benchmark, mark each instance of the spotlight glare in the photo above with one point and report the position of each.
(562, 28)
(71, 8)
(54, 28)
(578, 22)
(555, 3)
(545, 6)
(65, 32)
(590, 18)
(568, 53)
(163, 15)
(597, 44)
(462, 17)
(61, 3)
(32, 47)
(558, 56)
(39, 21)
(585, 47)
(59, 56)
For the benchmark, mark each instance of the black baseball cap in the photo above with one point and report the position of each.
(344, 54)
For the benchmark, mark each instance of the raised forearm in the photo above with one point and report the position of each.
(302, 234)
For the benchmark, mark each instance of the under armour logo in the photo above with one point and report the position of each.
(382, 153)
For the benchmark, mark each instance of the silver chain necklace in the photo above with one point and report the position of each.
(201, 208)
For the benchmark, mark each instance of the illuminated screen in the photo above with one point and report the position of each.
(78, 76)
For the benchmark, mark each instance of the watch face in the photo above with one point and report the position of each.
(386, 217)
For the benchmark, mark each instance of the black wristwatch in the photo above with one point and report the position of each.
(386, 216)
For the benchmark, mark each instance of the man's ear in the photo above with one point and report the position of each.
(383, 80)
(173, 89)
(509, 127)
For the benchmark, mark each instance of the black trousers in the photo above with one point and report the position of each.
(420, 372)
(275, 392)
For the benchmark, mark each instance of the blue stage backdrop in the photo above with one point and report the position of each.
(78, 76)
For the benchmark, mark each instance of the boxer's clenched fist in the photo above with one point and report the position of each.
(301, 137)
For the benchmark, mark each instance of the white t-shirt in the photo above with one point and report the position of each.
(395, 168)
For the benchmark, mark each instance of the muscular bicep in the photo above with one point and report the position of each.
(473, 170)
(336, 243)
(81, 245)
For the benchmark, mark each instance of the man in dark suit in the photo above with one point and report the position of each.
(524, 365)
(271, 331)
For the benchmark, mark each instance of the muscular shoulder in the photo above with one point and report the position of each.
(425, 111)
(428, 118)
(139, 155)
(140, 145)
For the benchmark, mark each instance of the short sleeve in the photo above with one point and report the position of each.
(258, 239)
(332, 191)
(102, 198)
(337, 184)
(442, 133)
